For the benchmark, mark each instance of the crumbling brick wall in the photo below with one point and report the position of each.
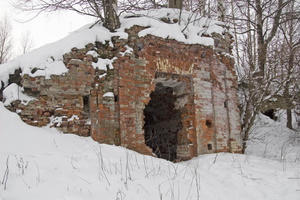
(202, 80)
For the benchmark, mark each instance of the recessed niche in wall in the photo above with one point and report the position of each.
(209, 146)
(86, 104)
(208, 123)
(116, 98)
(225, 104)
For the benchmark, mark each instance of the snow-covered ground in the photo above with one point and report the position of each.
(41, 163)
(273, 140)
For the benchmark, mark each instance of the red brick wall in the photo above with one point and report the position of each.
(209, 118)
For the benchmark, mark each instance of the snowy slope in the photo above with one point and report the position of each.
(273, 140)
(40, 163)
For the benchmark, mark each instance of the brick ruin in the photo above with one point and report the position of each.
(163, 97)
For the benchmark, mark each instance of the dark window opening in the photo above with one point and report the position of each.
(162, 123)
(86, 104)
(208, 123)
(225, 104)
(209, 146)
(116, 98)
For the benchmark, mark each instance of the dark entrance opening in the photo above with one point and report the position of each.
(162, 122)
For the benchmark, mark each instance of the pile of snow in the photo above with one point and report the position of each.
(41, 163)
(104, 64)
(47, 60)
(189, 29)
(108, 94)
(14, 92)
(273, 140)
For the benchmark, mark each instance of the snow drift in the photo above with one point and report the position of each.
(41, 163)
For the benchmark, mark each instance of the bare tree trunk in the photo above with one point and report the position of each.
(262, 39)
(289, 121)
(235, 36)
(251, 44)
(290, 30)
(261, 48)
(288, 100)
(5, 40)
(175, 4)
(111, 18)
(27, 42)
(221, 11)
(202, 8)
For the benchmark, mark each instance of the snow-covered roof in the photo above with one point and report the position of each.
(48, 59)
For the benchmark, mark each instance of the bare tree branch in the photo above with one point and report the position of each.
(5, 40)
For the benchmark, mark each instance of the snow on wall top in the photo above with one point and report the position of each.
(188, 30)
(48, 59)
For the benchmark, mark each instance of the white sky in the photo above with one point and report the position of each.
(45, 28)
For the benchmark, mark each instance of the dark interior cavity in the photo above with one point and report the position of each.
(209, 146)
(162, 122)
(270, 113)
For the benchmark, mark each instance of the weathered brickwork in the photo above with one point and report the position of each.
(163, 97)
